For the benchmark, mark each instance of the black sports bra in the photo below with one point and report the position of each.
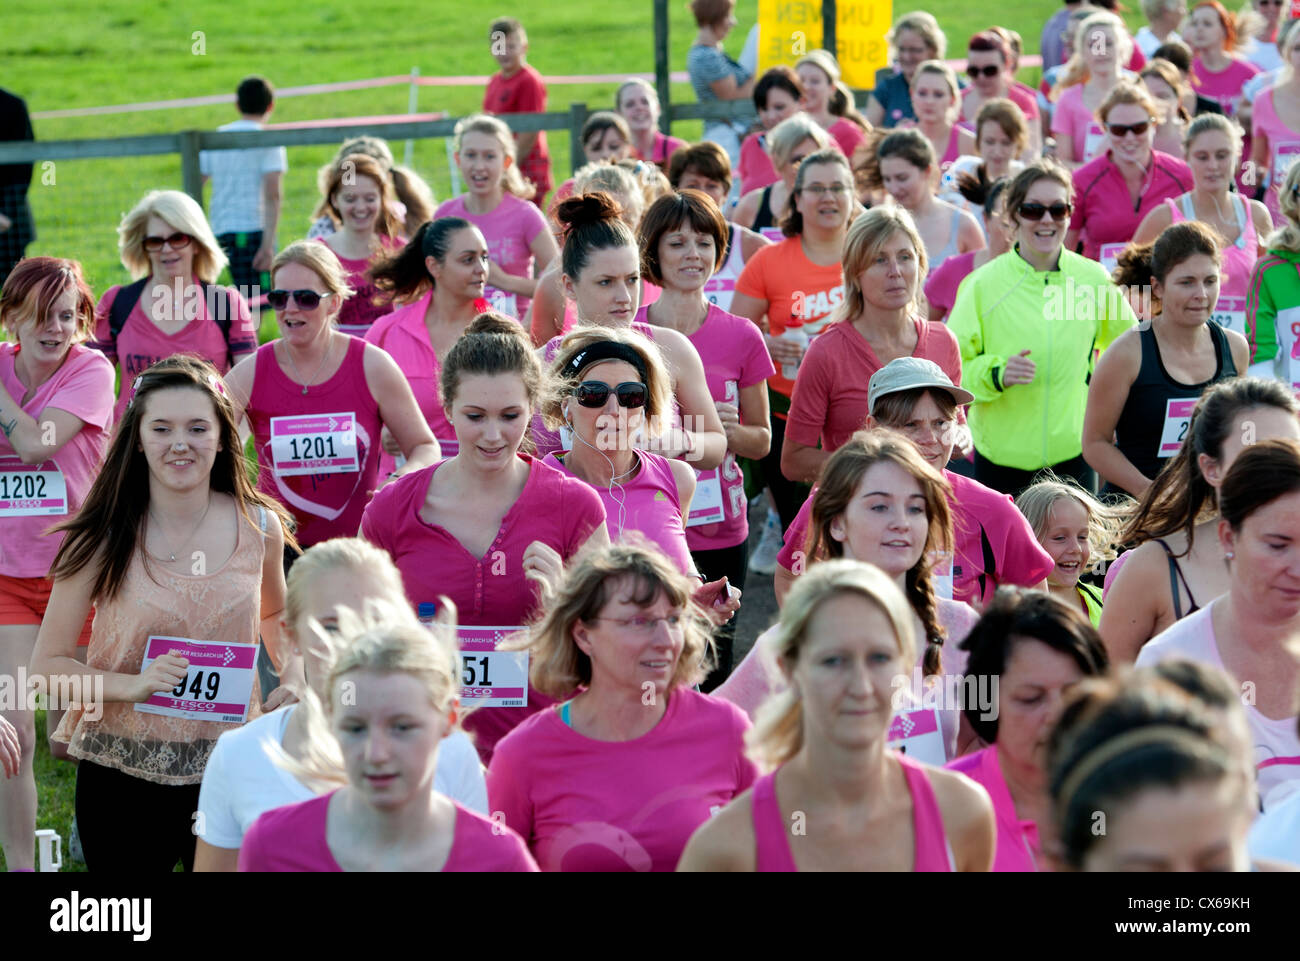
(1176, 575)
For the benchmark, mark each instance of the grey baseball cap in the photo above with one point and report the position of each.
(909, 373)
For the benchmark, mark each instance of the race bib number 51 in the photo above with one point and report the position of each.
(217, 686)
(491, 678)
(314, 444)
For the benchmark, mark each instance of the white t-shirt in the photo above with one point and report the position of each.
(1277, 746)
(236, 205)
(242, 782)
(1276, 835)
(1149, 43)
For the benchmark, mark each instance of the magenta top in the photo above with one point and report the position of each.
(294, 838)
(734, 358)
(509, 229)
(661, 150)
(360, 310)
(404, 336)
(932, 851)
(1283, 146)
(327, 504)
(1103, 210)
(647, 503)
(847, 135)
(1225, 86)
(587, 805)
(755, 170)
(941, 284)
(1017, 843)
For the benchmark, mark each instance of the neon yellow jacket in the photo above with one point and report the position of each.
(1063, 318)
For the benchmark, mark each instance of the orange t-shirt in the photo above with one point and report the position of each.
(797, 291)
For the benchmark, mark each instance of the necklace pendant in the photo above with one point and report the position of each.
(304, 392)
(172, 559)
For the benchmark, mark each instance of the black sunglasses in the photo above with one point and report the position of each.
(593, 393)
(1034, 212)
(988, 70)
(306, 299)
(177, 240)
(1118, 130)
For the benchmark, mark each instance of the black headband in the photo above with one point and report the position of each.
(604, 350)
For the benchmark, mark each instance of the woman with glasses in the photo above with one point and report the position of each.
(1101, 48)
(174, 306)
(788, 143)
(620, 775)
(989, 66)
(915, 38)
(316, 400)
(1113, 192)
(1027, 324)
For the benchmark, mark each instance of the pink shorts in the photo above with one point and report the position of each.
(23, 601)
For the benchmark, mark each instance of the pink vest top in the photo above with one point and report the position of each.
(329, 504)
(932, 850)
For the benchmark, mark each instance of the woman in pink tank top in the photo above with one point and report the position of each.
(316, 400)
(181, 559)
(845, 635)
(1213, 147)
(936, 99)
(1275, 125)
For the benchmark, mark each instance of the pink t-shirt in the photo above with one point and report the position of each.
(941, 284)
(294, 838)
(1277, 745)
(360, 310)
(1019, 94)
(587, 805)
(847, 135)
(1017, 840)
(1071, 116)
(1225, 86)
(488, 591)
(404, 336)
(993, 542)
(661, 150)
(509, 230)
(327, 504)
(140, 343)
(734, 358)
(1103, 209)
(755, 169)
(82, 386)
(1283, 146)
(647, 503)
(830, 394)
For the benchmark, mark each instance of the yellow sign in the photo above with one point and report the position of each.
(788, 29)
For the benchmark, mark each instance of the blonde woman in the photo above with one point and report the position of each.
(391, 699)
(827, 100)
(845, 634)
(638, 102)
(936, 99)
(242, 779)
(788, 143)
(411, 203)
(1101, 48)
(496, 200)
(645, 759)
(1275, 292)
(174, 305)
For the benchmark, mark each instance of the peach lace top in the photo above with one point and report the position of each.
(224, 605)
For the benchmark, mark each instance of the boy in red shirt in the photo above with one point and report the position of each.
(518, 88)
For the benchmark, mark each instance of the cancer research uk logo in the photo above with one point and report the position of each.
(78, 915)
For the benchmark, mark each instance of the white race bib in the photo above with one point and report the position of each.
(491, 678)
(1230, 314)
(1178, 415)
(30, 490)
(706, 505)
(1094, 141)
(1284, 155)
(1108, 256)
(217, 686)
(502, 302)
(314, 444)
(919, 735)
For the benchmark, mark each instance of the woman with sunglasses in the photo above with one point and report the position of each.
(1113, 192)
(1101, 48)
(1213, 148)
(618, 776)
(174, 305)
(777, 96)
(788, 143)
(1027, 344)
(490, 528)
(317, 399)
(915, 38)
(989, 65)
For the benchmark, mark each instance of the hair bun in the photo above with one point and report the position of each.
(592, 207)
(491, 322)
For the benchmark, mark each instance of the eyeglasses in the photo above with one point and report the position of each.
(176, 241)
(645, 625)
(912, 51)
(593, 393)
(1270, 3)
(306, 299)
(820, 190)
(1119, 130)
(988, 70)
(1032, 212)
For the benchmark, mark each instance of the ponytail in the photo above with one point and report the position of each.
(404, 276)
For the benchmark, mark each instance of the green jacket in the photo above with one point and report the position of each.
(1063, 318)
(1274, 290)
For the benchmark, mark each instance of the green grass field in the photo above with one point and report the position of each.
(75, 54)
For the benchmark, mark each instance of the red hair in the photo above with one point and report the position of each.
(36, 283)
(990, 40)
(1225, 20)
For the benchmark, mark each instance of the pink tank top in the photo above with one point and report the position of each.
(953, 150)
(773, 844)
(360, 310)
(330, 503)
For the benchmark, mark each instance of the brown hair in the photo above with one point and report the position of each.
(35, 284)
(1261, 474)
(1044, 169)
(779, 77)
(590, 222)
(403, 276)
(910, 145)
(706, 158)
(493, 345)
(693, 207)
(603, 120)
(1172, 76)
(837, 487)
(1008, 116)
(1128, 92)
(1139, 264)
(344, 173)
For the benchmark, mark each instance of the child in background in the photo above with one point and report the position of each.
(1078, 531)
(518, 88)
(247, 190)
(495, 201)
